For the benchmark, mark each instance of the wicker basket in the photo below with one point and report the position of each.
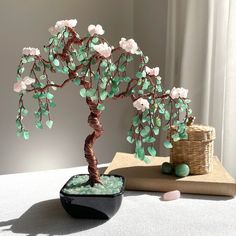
(196, 151)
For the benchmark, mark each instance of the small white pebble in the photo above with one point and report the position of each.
(172, 195)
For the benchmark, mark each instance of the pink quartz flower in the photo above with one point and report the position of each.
(129, 45)
(174, 93)
(31, 51)
(53, 30)
(183, 93)
(61, 25)
(103, 49)
(19, 86)
(28, 80)
(22, 84)
(152, 71)
(92, 29)
(141, 104)
(178, 93)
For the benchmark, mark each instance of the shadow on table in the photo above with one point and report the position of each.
(48, 217)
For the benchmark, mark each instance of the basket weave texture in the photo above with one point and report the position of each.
(196, 151)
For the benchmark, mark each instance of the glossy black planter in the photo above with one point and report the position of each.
(92, 206)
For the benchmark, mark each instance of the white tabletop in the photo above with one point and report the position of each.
(29, 205)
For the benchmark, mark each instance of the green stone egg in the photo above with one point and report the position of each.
(182, 170)
(166, 168)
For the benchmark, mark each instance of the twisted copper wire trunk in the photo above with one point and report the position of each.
(94, 122)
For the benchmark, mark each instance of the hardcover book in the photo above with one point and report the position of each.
(148, 177)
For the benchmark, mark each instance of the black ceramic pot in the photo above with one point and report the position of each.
(92, 206)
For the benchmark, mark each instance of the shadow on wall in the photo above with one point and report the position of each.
(48, 217)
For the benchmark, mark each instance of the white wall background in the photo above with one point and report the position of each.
(25, 23)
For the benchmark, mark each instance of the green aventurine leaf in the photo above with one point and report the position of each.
(71, 65)
(149, 139)
(103, 94)
(50, 96)
(122, 68)
(50, 57)
(26, 134)
(21, 70)
(18, 124)
(130, 58)
(94, 98)
(140, 153)
(130, 139)
(24, 60)
(56, 62)
(156, 130)
(65, 70)
(80, 57)
(145, 84)
(167, 144)
(135, 120)
(42, 77)
(96, 77)
(76, 82)
(103, 63)
(158, 121)
(83, 92)
(144, 132)
(24, 112)
(66, 34)
(100, 107)
(175, 137)
(36, 95)
(112, 67)
(95, 40)
(39, 125)
(49, 123)
(90, 92)
(167, 115)
(139, 74)
(52, 104)
(104, 83)
(127, 79)
(36, 114)
(137, 130)
(159, 88)
(183, 135)
(146, 59)
(152, 151)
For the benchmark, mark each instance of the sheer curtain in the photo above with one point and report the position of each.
(201, 56)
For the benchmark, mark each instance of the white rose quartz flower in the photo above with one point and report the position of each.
(22, 84)
(178, 93)
(19, 86)
(28, 80)
(152, 71)
(183, 93)
(141, 104)
(61, 25)
(103, 49)
(92, 29)
(129, 45)
(174, 93)
(31, 51)
(53, 30)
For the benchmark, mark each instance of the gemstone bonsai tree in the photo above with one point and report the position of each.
(101, 72)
